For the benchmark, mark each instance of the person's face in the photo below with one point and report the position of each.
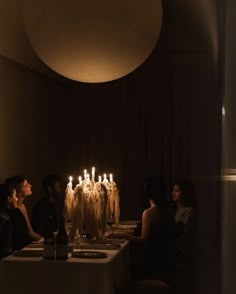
(176, 193)
(25, 189)
(12, 201)
(57, 190)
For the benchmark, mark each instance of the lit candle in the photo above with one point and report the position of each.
(85, 174)
(93, 173)
(80, 180)
(111, 178)
(105, 178)
(88, 178)
(100, 179)
(70, 180)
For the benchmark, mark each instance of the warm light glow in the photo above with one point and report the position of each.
(80, 179)
(229, 174)
(70, 179)
(231, 178)
(105, 178)
(223, 111)
(111, 177)
(93, 173)
(89, 205)
(85, 174)
(93, 41)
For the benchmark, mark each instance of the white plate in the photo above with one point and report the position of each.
(89, 254)
(28, 253)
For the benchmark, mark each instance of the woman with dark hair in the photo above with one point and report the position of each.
(183, 198)
(8, 202)
(50, 206)
(23, 234)
(156, 243)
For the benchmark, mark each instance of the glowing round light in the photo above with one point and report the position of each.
(93, 40)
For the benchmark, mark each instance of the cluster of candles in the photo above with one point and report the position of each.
(91, 203)
(87, 177)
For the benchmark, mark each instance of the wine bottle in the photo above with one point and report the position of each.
(62, 241)
(49, 241)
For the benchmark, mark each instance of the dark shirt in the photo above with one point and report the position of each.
(44, 211)
(20, 236)
(185, 234)
(159, 247)
(5, 234)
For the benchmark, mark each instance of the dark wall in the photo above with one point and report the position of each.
(32, 126)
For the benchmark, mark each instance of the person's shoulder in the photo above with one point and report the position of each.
(15, 212)
(146, 212)
(4, 217)
(22, 207)
(17, 215)
(151, 213)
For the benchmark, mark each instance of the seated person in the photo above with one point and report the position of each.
(8, 201)
(23, 234)
(182, 196)
(155, 247)
(50, 206)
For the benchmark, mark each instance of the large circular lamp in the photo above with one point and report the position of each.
(93, 40)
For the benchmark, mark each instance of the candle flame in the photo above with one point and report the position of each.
(105, 178)
(93, 173)
(111, 177)
(88, 178)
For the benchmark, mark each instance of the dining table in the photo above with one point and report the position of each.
(92, 267)
(26, 271)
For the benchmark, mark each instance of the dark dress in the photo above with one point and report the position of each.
(159, 249)
(44, 211)
(20, 234)
(185, 234)
(6, 246)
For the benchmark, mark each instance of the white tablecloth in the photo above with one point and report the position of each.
(34, 275)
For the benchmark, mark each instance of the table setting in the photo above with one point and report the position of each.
(94, 263)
